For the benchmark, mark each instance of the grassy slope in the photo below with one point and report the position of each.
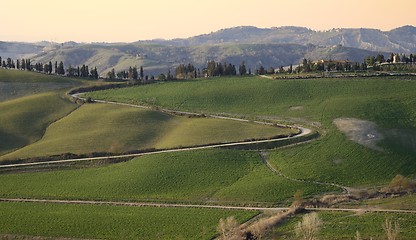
(119, 129)
(406, 203)
(24, 120)
(14, 84)
(99, 127)
(342, 225)
(188, 132)
(197, 176)
(13, 76)
(388, 102)
(112, 222)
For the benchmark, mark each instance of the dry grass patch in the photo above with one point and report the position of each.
(360, 131)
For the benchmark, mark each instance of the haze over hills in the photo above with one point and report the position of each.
(269, 47)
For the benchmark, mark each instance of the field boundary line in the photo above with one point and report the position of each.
(174, 205)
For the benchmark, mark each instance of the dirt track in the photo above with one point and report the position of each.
(302, 132)
(173, 205)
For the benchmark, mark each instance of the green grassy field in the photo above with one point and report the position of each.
(13, 76)
(215, 176)
(344, 225)
(24, 120)
(111, 222)
(388, 102)
(405, 203)
(15, 84)
(230, 176)
(119, 129)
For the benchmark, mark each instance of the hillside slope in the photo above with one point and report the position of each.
(24, 120)
(115, 128)
(389, 103)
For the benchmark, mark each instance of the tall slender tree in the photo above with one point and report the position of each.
(141, 72)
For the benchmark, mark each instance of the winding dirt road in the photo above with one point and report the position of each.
(302, 132)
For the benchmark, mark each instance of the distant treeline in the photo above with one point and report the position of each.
(213, 69)
(49, 68)
(394, 62)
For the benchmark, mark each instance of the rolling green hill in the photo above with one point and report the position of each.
(387, 102)
(111, 128)
(110, 222)
(23, 121)
(15, 84)
(383, 109)
(198, 176)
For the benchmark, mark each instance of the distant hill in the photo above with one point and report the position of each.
(401, 39)
(16, 50)
(269, 47)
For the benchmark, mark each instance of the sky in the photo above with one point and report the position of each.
(133, 20)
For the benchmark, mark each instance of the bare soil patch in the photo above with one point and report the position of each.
(296, 108)
(360, 131)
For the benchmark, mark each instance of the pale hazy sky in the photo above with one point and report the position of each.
(128, 20)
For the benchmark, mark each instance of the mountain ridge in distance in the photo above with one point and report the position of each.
(268, 47)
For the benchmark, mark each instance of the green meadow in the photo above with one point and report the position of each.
(223, 176)
(112, 128)
(15, 84)
(111, 222)
(41, 121)
(344, 225)
(23, 121)
(387, 102)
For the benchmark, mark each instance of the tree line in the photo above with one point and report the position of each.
(134, 74)
(393, 62)
(49, 68)
(212, 69)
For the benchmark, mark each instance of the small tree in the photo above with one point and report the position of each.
(141, 72)
(357, 235)
(392, 229)
(400, 184)
(161, 77)
(308, 228)
(229, 229)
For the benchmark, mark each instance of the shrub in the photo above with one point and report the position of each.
(229, 229)
(392, 229)
(308, 228)
(400, 184)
